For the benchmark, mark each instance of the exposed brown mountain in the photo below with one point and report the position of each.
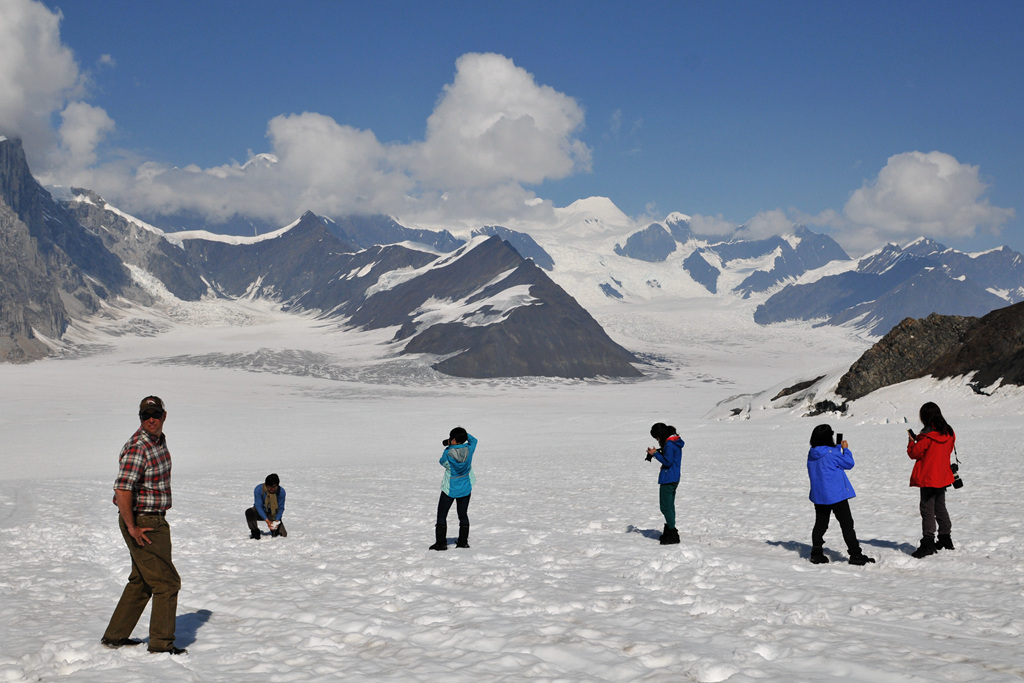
(991, 348)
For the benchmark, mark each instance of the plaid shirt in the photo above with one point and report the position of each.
(145, 470)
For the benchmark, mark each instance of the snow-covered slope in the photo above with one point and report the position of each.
(565, 579)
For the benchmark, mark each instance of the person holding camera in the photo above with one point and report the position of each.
(831, 492)
(670, 454)
(932, 473)
(456, 487)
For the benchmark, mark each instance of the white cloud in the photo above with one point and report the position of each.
(494, 131)
(766, 224)
(37, 73)
(493, 125)
(712, 225)
(918, 194)
(83, 127)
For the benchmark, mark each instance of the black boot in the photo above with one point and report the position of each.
(944, 543)
(463, 536)
(669, 536)
(859, 558)
(818, 556)
(440, 537)
(926, 548)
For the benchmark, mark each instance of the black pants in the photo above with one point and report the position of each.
(444, 505)
(933, 512)
(822, 514)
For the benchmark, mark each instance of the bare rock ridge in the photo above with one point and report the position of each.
(991, 348)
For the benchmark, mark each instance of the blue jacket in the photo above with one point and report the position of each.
(671, 459)
(458, 469)
(825, 467)
(257, 495)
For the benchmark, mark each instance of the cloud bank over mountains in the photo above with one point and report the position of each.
(494, 136)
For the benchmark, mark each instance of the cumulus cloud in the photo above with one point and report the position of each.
(918, 194)
(712, 225)
(493, 132)
(494, 124)
(38, 74)
(766, 224)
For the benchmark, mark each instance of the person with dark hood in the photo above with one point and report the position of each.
(268, 506)
(456, 487)
(670, 454)
(831, 492)
(932, 473)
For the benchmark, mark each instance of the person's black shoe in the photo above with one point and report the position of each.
(861, 559)
(172, 651)
(926, 548)
(944, 543)
(114, 643)
(818, 556)
(255, 535)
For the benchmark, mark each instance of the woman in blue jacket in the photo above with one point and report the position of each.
(456, 487)
(831, 492)
(670, 454)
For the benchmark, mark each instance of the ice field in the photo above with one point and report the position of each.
(565, 579)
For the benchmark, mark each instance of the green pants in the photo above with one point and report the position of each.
(153, 575)
(667, 499)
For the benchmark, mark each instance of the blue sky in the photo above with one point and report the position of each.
(871, 120)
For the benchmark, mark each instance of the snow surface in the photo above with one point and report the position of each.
(565, 580)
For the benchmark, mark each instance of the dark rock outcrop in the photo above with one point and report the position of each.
(138, 246)
(906, 352)
(991, 348)
(652, 244)
(52, 269)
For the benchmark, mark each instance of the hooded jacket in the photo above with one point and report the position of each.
(458, 468)
(931, 452)
(826, 467)
(671, 459)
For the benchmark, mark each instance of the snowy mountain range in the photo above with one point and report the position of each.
(492, 301)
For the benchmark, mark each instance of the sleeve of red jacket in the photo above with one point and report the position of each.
(917, 449)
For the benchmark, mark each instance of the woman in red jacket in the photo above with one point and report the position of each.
(932, 474)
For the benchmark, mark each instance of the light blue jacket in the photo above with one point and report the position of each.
(458, 469)
(825, 467)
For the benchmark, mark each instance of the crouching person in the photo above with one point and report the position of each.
(268, 506)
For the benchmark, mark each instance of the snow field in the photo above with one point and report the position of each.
(565, 579)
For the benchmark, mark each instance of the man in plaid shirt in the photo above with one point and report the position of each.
(142, 493)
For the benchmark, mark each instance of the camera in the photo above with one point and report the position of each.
(958, 483)
(445, 442)
(839, 438)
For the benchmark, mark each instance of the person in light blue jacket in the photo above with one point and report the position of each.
(831, 492)
(456, 487)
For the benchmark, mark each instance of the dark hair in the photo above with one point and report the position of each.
(661, 432)
(273, 480)
(822, 436)
(931, 418)
(458, 434)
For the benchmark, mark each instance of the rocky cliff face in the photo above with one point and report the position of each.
(137, 245)
(52, 269)
(990, 348)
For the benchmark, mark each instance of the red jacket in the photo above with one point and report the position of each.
(931, 450)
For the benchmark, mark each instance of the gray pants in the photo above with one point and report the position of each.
(153, 575)
(933, 512)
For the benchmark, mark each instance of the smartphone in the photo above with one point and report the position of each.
(839, 439)
(911, 433)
